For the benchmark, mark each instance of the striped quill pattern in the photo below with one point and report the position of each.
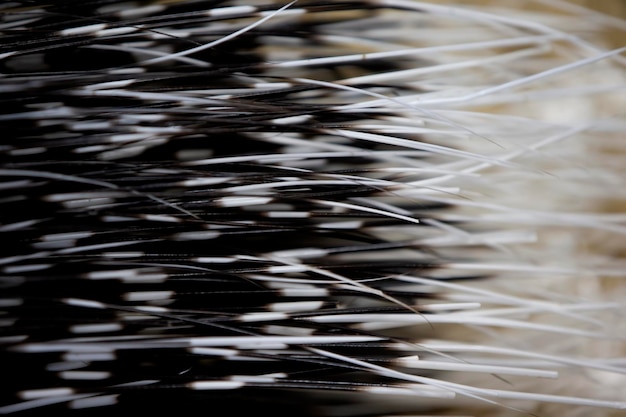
(309, 208)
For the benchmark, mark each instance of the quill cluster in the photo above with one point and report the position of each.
(324, 208)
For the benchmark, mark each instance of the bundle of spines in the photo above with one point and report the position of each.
(320, 208)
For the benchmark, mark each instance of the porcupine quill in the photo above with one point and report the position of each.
(315, 208)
